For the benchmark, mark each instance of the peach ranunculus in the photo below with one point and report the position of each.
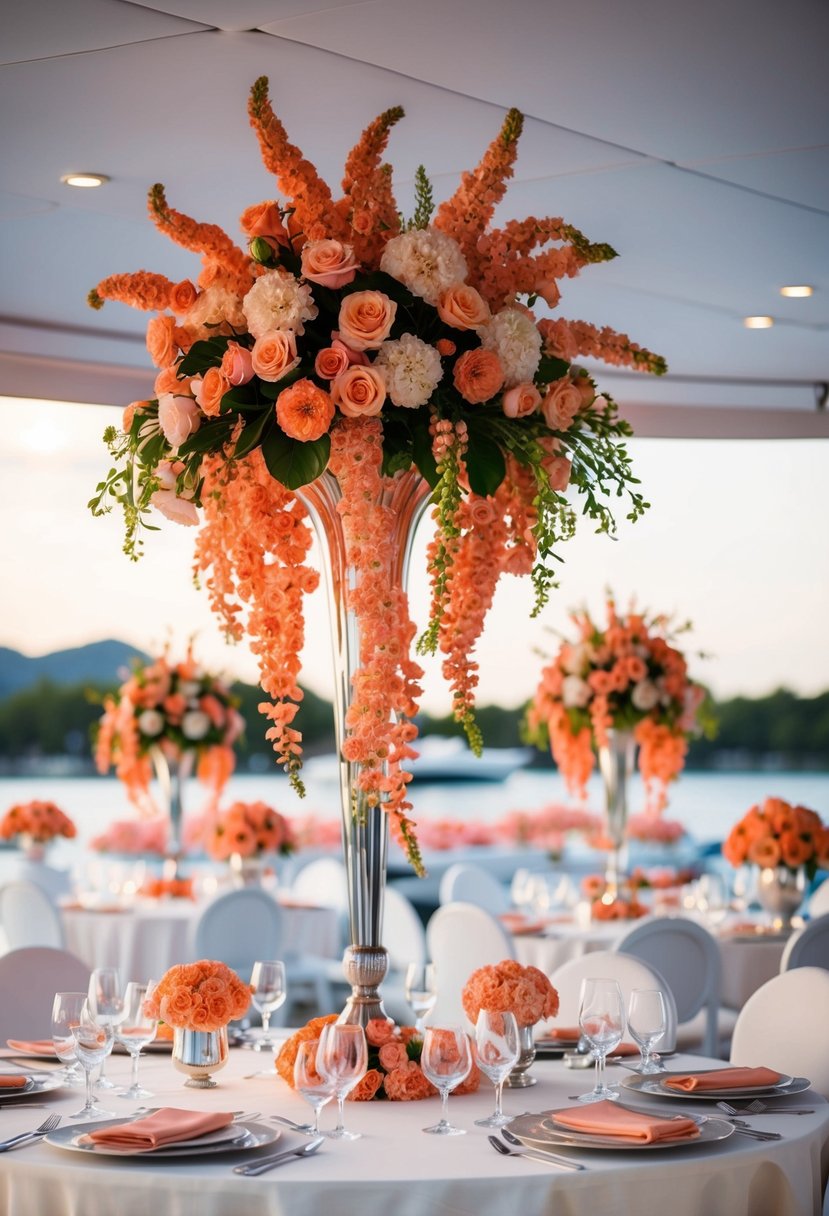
(183, 296)
(160, 341)
(463, 307)
(165, 499)
(274, 354)
(359, 391)
(478, 375)
(329, 263)
(210, 390)
(179, 418)
(304, 411)
(521, 401)
(366, 318)
(237, 364)
(264, 219)
(562, 402)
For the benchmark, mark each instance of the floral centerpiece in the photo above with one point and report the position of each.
(244, 834)
(34, 824)
(526, 992)
(625, 905)
(394, 1070)
(198, 1000)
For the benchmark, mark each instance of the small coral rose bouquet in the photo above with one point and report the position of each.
(35, 824)
(249, 829)
(779, 834)
(507, 987)
(199, 996)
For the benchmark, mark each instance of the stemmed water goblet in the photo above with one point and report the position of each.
(135, 1030)
(66, 1012)
(421, 991)
(647, 1023)
(602, 1022)
(496, 1039)
(342, 1060)
(93, 1043)
(315, 1089)
(269, 993)
(107, 1006)
(446, 1059)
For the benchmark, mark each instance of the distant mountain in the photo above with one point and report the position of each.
(97, 663)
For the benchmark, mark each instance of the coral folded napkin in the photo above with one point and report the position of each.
(13, 1082)
(724, 1078)
(610, 1119)
(564, 1034)
(165, 1126)
(38, 1047)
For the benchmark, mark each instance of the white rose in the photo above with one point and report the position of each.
(195, 724)
(150, 723)
(645, 695)
(575, 692)
(578, 658)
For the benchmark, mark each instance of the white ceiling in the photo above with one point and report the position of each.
(693, 138)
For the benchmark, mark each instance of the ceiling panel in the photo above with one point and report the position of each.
(42, 29)
(234, 15)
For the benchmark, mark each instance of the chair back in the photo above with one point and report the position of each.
(688, 956)
(404, 934)
(323, 882)
(818, 903)
(460, 938)
(471, 884)
(809, 947)
(29, 979)
(28, 917)
(785, 1025)
(607, 964)
(237, 929)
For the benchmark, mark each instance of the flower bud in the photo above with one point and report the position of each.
(261, 250)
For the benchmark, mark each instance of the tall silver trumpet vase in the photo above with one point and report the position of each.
(616, 766)
(171, 772)
(365, 828)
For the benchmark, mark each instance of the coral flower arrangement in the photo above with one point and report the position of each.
(627, 675)
(249, 829)
(40, 822)
(199, 996)
(507, 987)
(342, 339)
(779, 834)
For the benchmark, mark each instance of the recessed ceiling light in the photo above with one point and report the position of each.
(797, 290)
(84, 181)
(758, 322)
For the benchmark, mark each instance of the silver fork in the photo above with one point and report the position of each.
(48, 1125)
(760, 1108)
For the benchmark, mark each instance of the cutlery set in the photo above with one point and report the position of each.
(48, 1125)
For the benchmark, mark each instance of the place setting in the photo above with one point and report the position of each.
(166, 1133)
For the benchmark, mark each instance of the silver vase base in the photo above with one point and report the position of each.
(201, 1083)
(521, 1080)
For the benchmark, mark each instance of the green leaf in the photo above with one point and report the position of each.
(208, 438)
(423, 458)
(292, 462)
(485, 464)
(202, 355)
(241, 398)
(272, 388)
(251, 435)
(551, 368)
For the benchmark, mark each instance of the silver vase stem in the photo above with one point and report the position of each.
(616, 767)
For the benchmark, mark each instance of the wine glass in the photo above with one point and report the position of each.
(712, 898)
(66, 1012)
(421, 991)
(445, 1060)
(135, 1030)
(106, 1004)
(342, 1060)
(269, 993)
(496, 1038)
(93, 1043)
(308, 1081)
(602, 1022)
(647, 1023)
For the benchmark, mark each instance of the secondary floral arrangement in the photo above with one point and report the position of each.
(509, 987)
(654, 829)
(176, 707)
(548, 827)
(394, 1070)
(132, 836)
(249, 829)
(623, 905)
(39, 821)
(198, 996)
(346, 340)
(779, 834)
(627, 675)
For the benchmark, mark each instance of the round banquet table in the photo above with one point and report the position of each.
(395, 1168)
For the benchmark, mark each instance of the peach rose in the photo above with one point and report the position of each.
(521, 401)
(359, 392)
(392, 1055)
(562, 402)
(462, 307)
(135, 407)
(165, 499)
(330, 361)
(558, 470)
(379, 1031)
(183, 296)
(274, 354)
(478, 375)
(210, 389)
(304, 411)
(367, 1086)
(366, 318)
(160, 343)
(408, 1084)
(329, 263)
(167, 381)
(179, 418)
(264, 219)
(237, 364)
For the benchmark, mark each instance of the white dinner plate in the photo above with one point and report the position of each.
(655, 1087)
(39, 1084)
(541, 1131)
(240, 1136)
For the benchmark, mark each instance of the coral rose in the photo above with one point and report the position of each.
(237, 364)
(329, 263)
(521, 401)
(274, 354)
(288, 1052)
(408, 1084)
(379, 1031)
(210, 390)
(160, 341)
(359, 392)
(562, 402)
(393, 1055)
(304, 411)
(330, 361)
(462, 307)
(367, 1086)
(183, 296)
(366, 318)
(478, 375)
(135, 407)
(167, 381)
(179, 418)
(264, 219)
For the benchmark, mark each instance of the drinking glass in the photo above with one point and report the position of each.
(342, 1060)
(647, 1023)
(602, 1022)
(308, 1081)
(93, 1043)
(106, 1004)
(445, 1060)
(269, 993)
(712, 898)
(135, 1030)
(496, 1038)
(66, 1012)
(421, 991)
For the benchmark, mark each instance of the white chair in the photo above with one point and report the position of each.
(470, 884)
(28, 917)
(809, 947)
(53, 882)
(688, 956)
(460, 938)
(607, 964)
(323, 882)
(818, 902)
(29, 979)
(404, 936)
(785, 1025)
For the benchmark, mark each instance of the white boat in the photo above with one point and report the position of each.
(441, 758)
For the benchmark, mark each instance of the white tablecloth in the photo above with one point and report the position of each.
(396, 1169)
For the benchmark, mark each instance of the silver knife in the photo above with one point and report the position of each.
(267, 1163)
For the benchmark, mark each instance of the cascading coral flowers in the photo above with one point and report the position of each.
(779, 834)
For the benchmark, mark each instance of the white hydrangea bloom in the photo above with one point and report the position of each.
(150, 723)
(426, 261)
(411, 369)
(278, 301)
(195, 725)
(575, 692)
(514, 337)
(645, 695)
(214, 307)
